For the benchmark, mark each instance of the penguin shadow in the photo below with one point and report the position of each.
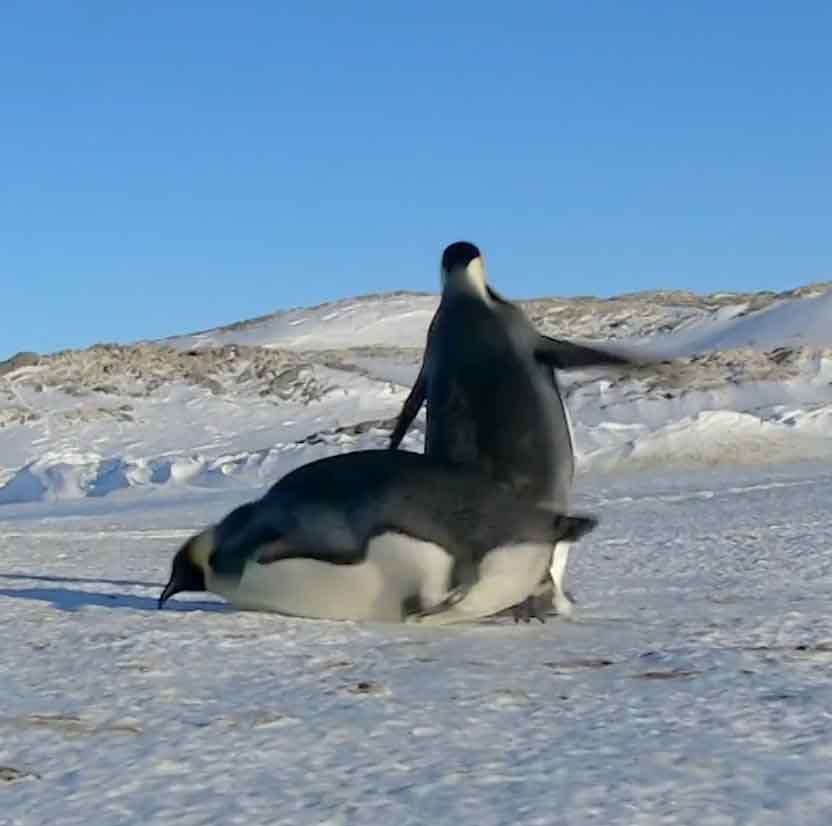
(72, 599)
(118, 583)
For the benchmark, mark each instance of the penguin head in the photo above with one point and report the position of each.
(463, 269)
(189, 566)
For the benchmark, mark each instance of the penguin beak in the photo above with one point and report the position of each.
(184, 575)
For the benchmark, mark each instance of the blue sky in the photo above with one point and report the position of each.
(170, 167)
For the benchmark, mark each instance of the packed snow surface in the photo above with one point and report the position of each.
(692, 688)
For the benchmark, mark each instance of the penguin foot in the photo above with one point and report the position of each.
(538, 604)
(533, 606)
(545, 602)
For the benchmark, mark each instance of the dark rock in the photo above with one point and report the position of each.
(18, 360)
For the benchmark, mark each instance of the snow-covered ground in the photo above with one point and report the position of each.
(693, 688)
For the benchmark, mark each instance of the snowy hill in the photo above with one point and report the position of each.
(792, 322)
(238, 406)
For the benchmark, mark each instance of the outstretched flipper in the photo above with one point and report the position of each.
(566, 355)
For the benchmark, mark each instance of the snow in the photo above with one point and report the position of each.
(179, 434)
(364, 322)
(692, 687)
(795, 322)
(89, 424)
(800, 317)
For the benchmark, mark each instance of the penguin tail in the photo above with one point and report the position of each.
(571, 527)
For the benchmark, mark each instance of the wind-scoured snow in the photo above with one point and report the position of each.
(398, 319)
(792, 322)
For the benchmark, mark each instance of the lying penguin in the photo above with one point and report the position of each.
(377, 535)
(493, 399)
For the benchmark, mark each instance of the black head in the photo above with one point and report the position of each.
(185, 574)
(458, 256)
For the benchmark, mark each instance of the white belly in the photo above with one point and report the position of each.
(506, 576)
(396, 568)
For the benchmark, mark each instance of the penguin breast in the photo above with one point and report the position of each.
(395, 569)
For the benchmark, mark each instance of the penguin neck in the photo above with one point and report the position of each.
(469, 280)
(201, 547)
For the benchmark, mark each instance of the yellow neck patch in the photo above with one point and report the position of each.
(472, 280)
(200, 548)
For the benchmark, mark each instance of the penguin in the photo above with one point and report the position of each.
(493, 399)
(377, 535)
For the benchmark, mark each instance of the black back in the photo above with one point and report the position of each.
(331, 508)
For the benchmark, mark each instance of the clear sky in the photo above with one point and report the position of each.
(166, 167)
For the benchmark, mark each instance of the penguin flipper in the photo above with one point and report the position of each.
(284, 549)
(409, 410)
(566, 355)
(251, 533)
(418, 392)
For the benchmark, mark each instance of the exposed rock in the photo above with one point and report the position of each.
(143, 369)
(18, 360)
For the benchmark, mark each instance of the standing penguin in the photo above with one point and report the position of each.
(377, 535)
(493, 400)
